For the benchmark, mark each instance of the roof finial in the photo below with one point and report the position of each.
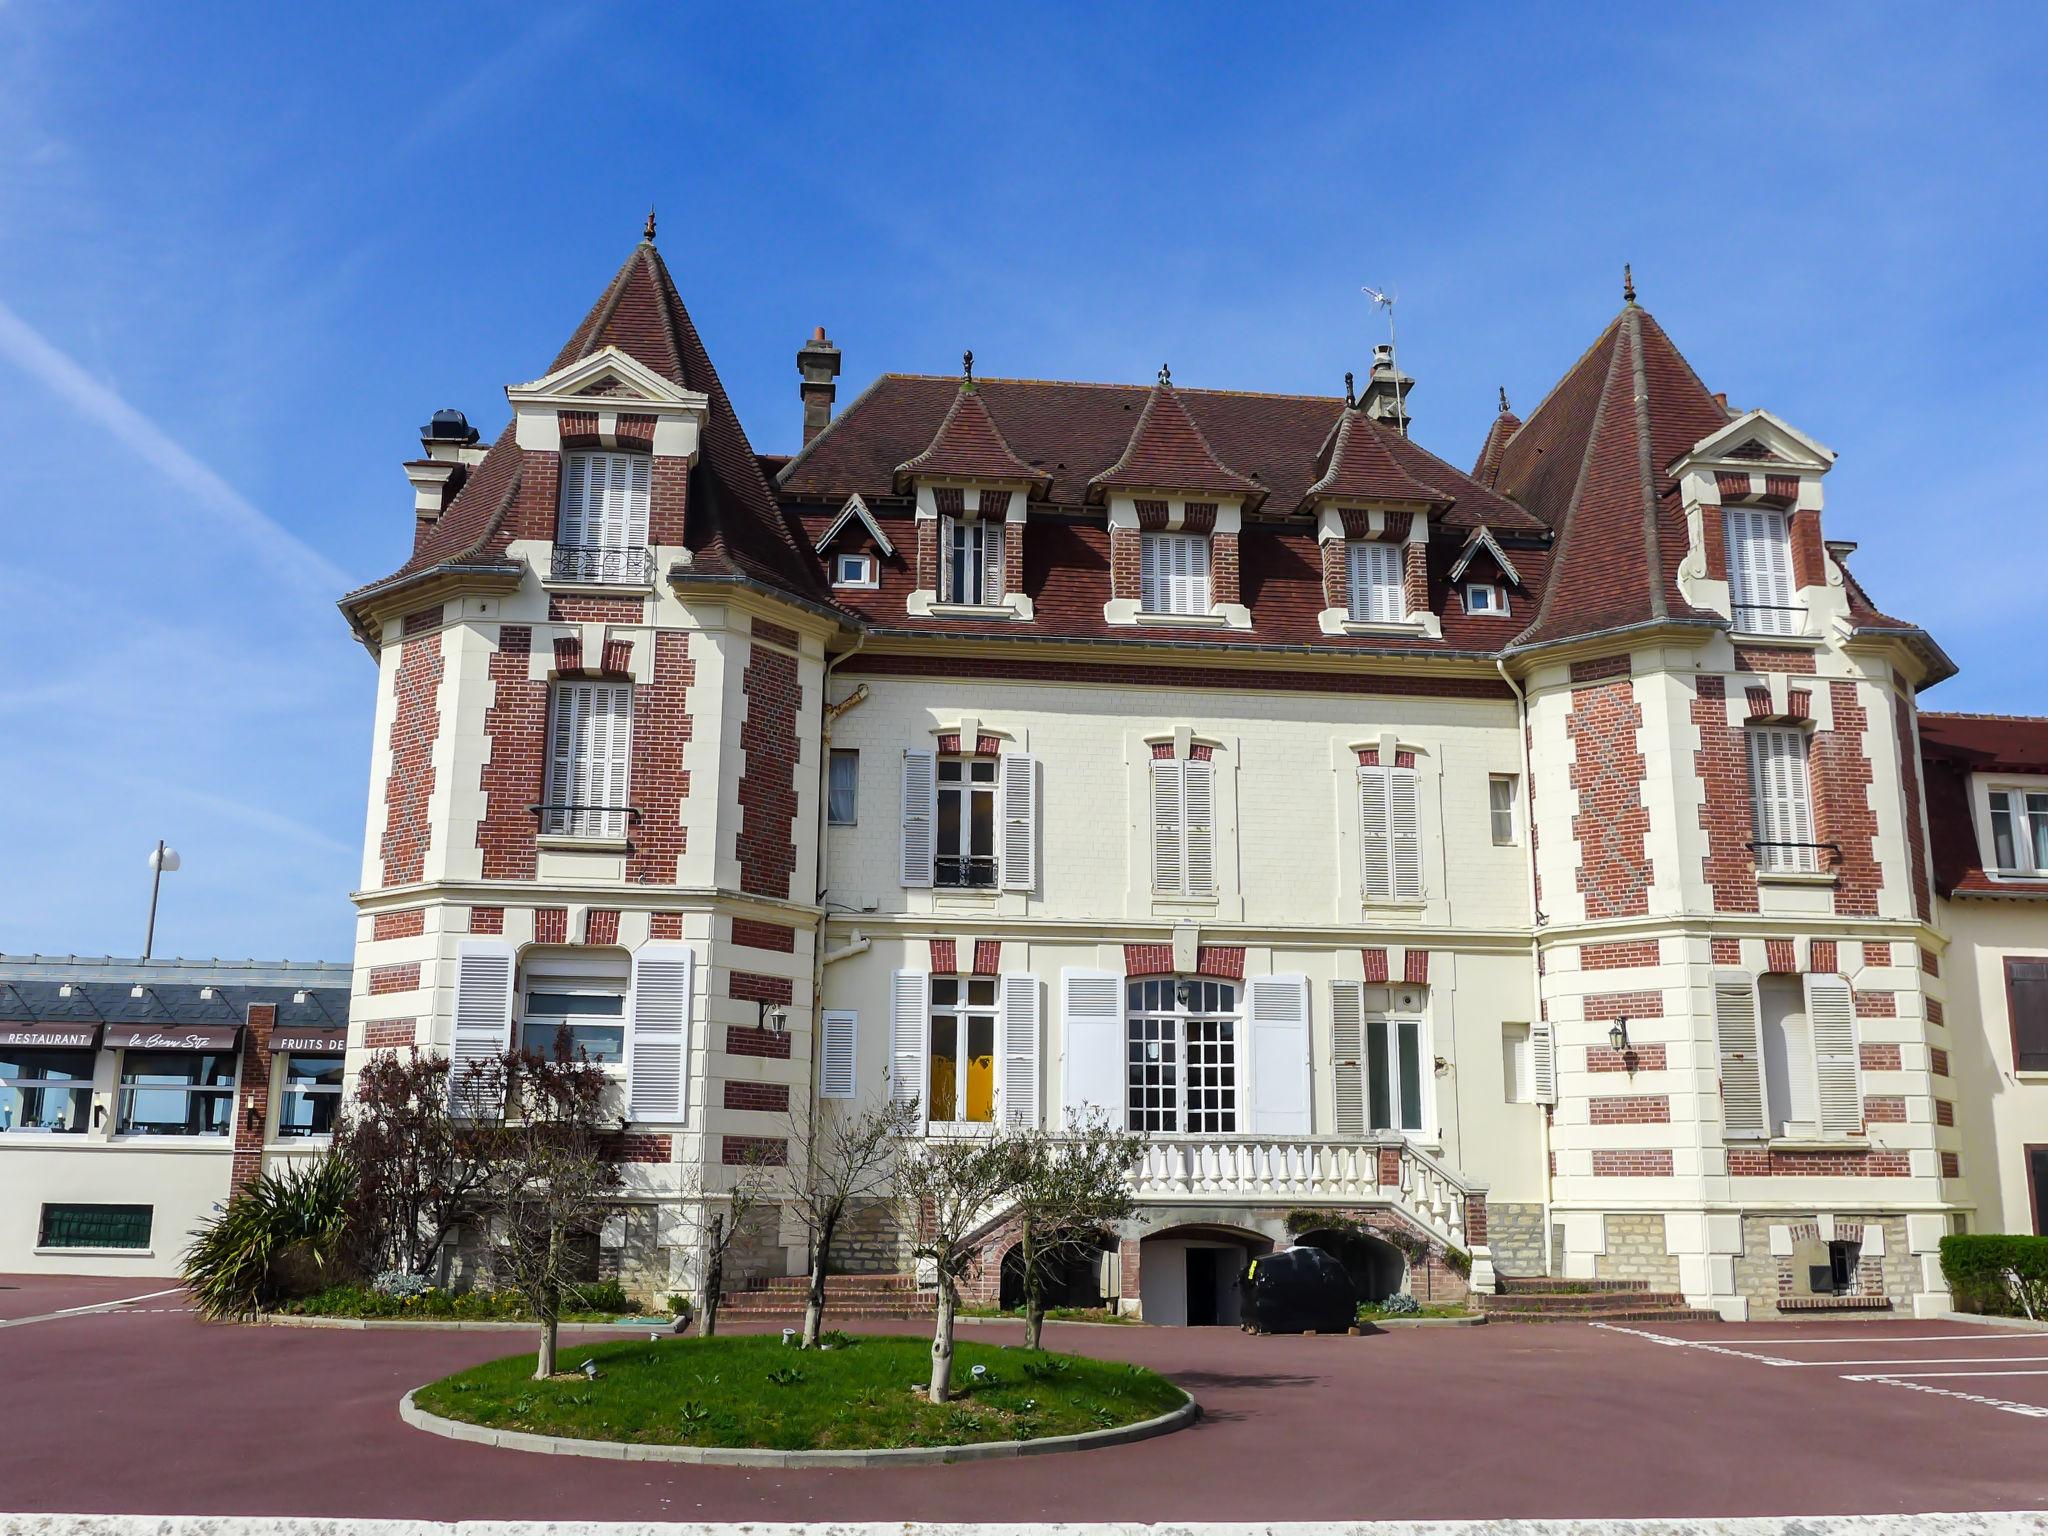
(1628, 284)
(647, 234)
(1503, 399)
(1350, 389)
(1165, 374)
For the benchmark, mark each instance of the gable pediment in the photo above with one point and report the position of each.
(609, 373)
(1759, 437)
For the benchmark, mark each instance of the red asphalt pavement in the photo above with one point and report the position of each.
(157, 1413)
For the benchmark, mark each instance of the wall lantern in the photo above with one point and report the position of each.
(770, 1016)
(1618, 1036)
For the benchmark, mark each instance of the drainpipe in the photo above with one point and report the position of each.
(1535, 949)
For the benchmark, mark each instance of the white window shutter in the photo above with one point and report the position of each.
(573, 525)
(1198, 812)
(612, 746)
(910, 1007)
(637, 499)
(1543, 1062)
(991, 560)
(920, 814)
(1020, 1052)
(1280, 1056)
(483, 1017)
(946, 591)
(1831, 1017)
(658, 1032)
(838, 1053)
(1019, 788)
(1092, 1044)
(1404, 816)
(1740, 1041)
(1347, 1056)
(1198, 572)
(1169, 865)
(1374, 833)
(561, 752)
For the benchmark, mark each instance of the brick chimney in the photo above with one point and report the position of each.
(449, 446)
(1386, 390)
(818, 361)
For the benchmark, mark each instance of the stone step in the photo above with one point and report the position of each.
(835, 1283)
(1550, 1285)
(834, 1312)
(1619, 1314)
(1580, 1301)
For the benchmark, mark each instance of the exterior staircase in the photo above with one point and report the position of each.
(846, 1296)
(1520, 1300)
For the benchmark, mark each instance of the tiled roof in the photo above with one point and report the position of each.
(969, 446)
(1358, 464)
(1952, 747)
(1505, 425)
(1167, 452)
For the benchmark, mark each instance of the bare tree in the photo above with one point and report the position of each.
(716, 1222)
(946, 1192)
(840, 1160)
(1072, 1188)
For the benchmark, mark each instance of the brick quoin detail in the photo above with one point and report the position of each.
(568, 609)
(551, 925)
(945, 958)
(642, 1148)
(660, 783)
(1415, 577)
(1951, 1166)
(386, 979)
(1637, 1058)
(1632, 1163)
(1809, 565)
(1390, 1167)
(1143, 675)
(409, 924)
(928, 554)
(1415, 967)
(486, 919)
(1937, 1061)
(1884, 1109)
(601, 927)
(1633, 1005)
(1929, 962)
(665, 925)
(753, 987)
(1607, 770)
(1013, 558)
(1617, 956)
(516, 725)
(767, 789)
(1879, 1058)
(1220, 960)
(387, 1034)
(988, 956)
(1877, 1005)
(761, 1096)
(1148, 959)
(1336, 575)
(1758, 658)
(1630, 1109)
(1727, 951)
(1822, 958)
(1223, 568)
(1842, 814)
(746, 1040)
(1781, 957)
(248, 1155)
(1877, 954)
(1944, 1112)
(1916, 828)
(755, 934)
(415, 722)
(536, 505)
(668, 500)
(764, 1151)
(775, 634)
(1762, 1162)
(1722, 763)
(1375, 964)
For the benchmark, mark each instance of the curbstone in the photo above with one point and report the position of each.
(452, 1324)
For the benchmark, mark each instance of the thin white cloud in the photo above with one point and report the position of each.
(284, 551)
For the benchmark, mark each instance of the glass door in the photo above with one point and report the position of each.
(1394, 1074)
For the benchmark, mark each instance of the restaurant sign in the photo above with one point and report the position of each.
(62, 1037)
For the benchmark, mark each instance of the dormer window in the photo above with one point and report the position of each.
(853, 571)
(1484, 600)
(1173, 574)
(601, 533)
(1378, 595)
(1760, 573)
(973, 561)
(2019, 831)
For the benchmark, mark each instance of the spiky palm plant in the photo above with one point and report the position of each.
(296, 1217)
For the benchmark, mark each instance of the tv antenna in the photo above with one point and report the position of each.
(1381, 299)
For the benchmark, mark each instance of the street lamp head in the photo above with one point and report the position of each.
(164, 860)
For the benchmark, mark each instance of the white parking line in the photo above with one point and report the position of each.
(1927, 1360)
(2025, 1410)
(97, 1306)
(1902, 1375)
(1889, 1338)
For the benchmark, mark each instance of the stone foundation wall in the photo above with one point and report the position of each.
(1516, 1235)
(1636, 1251)
(870, 1242)
(1763, 1276)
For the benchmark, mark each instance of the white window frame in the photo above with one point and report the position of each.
(1169, 582)
(615, 528)
(967, 789)
(1512, 810)
(1376, 581)
(1383, 1034)
(1189, 1000)
(962, 1013)
(1781, 800)
(835, 756)
(854, 571)
(588, 779)
(1762, 599)
(979, 582)
(1483, 598)
(570, 975)
(2021, 814)
(287, 1090)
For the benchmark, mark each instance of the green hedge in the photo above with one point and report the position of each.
(597, 1301)
(1976, 1266)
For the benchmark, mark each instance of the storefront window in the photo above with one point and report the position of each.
(177, 1093)
(312, 1094)
(45, 1090)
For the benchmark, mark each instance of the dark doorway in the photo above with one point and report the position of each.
(1073, 1280)
(1202, 1287)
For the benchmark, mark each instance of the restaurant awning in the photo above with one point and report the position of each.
(68, 1037)
(171, 1037)
(325, 1039)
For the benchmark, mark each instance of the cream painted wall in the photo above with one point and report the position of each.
(1999, 1111)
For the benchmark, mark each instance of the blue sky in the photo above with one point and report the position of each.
(244, 253)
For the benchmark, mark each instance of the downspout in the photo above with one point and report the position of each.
(1535, 949)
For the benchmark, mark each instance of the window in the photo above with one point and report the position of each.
(2019, 831)
(42, 1090)
(961, 1063)
(838, 1054)
(1760, 572)
(1788, 1057)
(2026, 1002)
(842, 788)
(590, 727)
(853, 571)
(967, 823)
(1483, 599)
(95, 1226)
(581, 1010)
(1183, 826)
(1181, 1076)
(601, 534)
(1782, 798)
(2037, 1187)
(1173, 573)
(176, 1093)
(1390, 833)
(1394, 1066)
(1378, 595)
(973, 554)
(312, 1094)
(1516, 1084)
(1500, 807)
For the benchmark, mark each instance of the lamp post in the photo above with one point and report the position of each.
(161, 858)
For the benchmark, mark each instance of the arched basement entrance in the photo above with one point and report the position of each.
(1187, 1276)
(1377, 1268)
(1072, 1279)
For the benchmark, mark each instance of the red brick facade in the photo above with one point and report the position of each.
(758, 1151)
(1607, 771)
(1630, 1005)
(1726, 816)
(741, 1094)
(1637, 1058)
(1632, 1162)
(601, 926)
(1630, 1109)
(486, 919)
(516, 724)
(1618, 955)
(766, 840)
(389, 1034)
(1765, 1162)
(415, 723)
(752, 987)
(1916, 824)
(747, 1040)
(1879, 1058)
(1841, 794)
(385, 979)
(1884, 1109)
(407, 923)
(551, 925)
(251, 1121)
(659, 781)
(755, 934)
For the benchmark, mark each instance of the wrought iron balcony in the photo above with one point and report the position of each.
(971, 872)
(1770, 619)
(603, 565)
(1778, 858)
(585, 820)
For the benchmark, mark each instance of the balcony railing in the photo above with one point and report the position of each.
(585, 820)
(603, 565)
(1770, 618)
(964, 872)
(1793, 858)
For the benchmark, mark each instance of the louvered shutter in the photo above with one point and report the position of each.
(1782, 798)
(1198, 813)
(573, 528)
(1774, 545)
(1169, 867)
(1280, 1056)
(612, 744)
(582, 753)
(658, 1032)
(1019, 790)
(1020, 1052)
(1740, 1043)
(638, 496)
(1404, 816)
(1374, 833)
(1831, 1017)
(920, 810)
(838, 1048)
(991, 560)
(483, 1022)
(1543, 1062)
(1347, 1056)
(617, 495)
(561, 784)
(1198, 572)
(1151, 593)
(1092, 1047)
(910, 1006)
